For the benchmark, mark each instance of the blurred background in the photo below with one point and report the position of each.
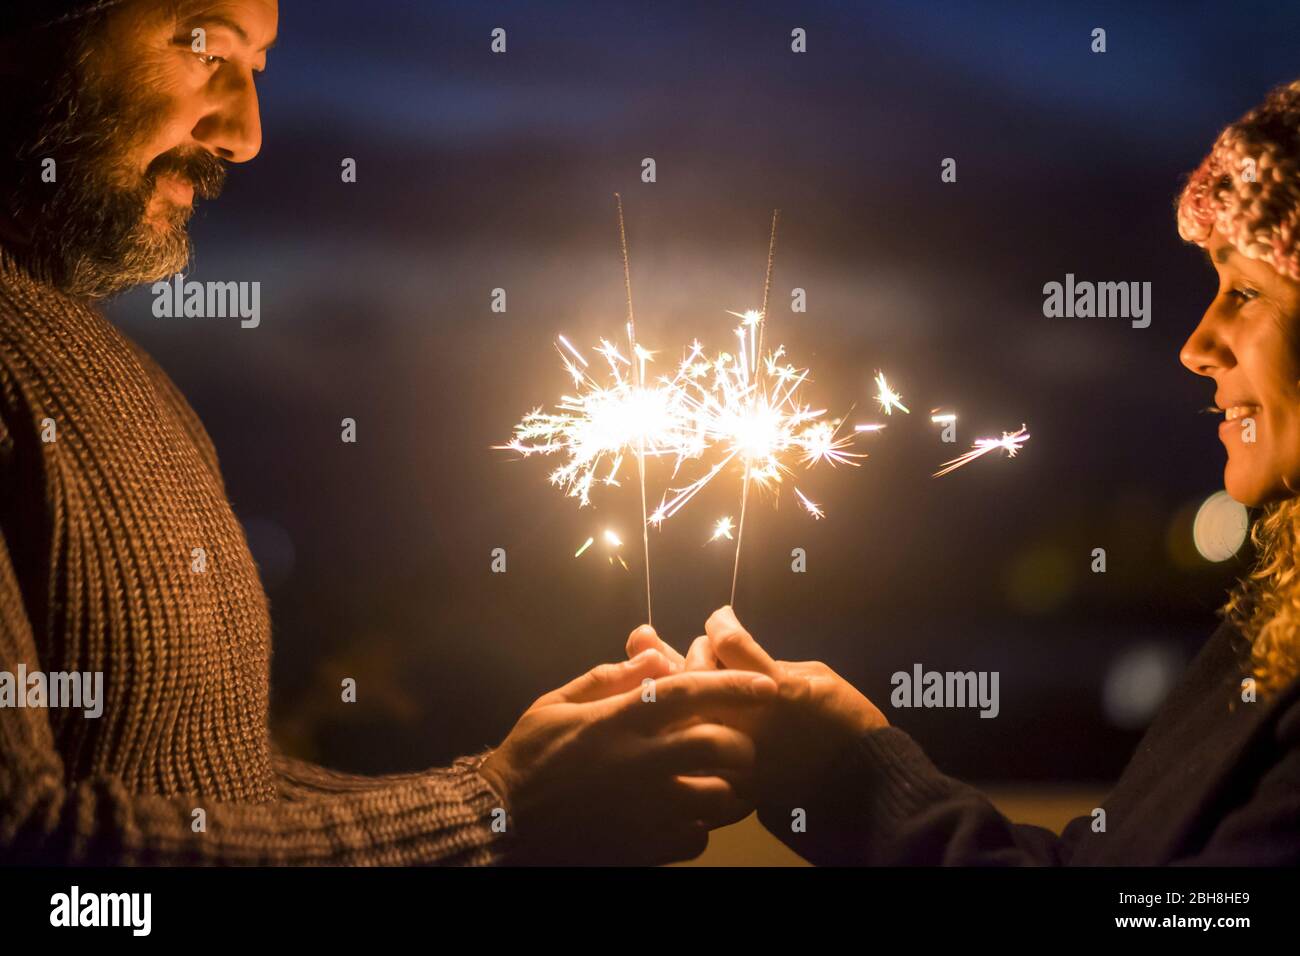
(478, 171)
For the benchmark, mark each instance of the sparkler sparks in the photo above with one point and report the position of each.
(750, 408)
(887, 397)
(753, 414)
(603, 423)
(612, 542)
(811, 508)
(1010, 442)
(741, 413)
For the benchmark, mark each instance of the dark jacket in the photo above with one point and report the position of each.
(1215, 781)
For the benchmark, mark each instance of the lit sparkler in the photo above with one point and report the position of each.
(749, 408)
(744, 411)
(1009, 442)
(606, 421)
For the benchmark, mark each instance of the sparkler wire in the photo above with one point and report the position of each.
(637, 383)
(758, 380)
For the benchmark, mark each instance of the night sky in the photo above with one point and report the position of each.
(479, 171)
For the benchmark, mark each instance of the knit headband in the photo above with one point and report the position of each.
(1249, 186)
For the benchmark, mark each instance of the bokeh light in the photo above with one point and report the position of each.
(1219, 529)
(1137, 682)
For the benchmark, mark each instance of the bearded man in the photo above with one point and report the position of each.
(115, 115)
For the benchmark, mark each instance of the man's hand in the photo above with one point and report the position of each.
(616, 767)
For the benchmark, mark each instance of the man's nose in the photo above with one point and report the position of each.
(1205, 351)
(232, 129)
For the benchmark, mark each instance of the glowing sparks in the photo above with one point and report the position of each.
(1010, 442)
(740, 411)
(612, 543)
(887, 397)
(723, 529)
(820, 442)
(750, 411)
(736, 414)
(572, 351)
(605, 421)
(811, 508)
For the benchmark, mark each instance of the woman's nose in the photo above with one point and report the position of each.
(1205, 351)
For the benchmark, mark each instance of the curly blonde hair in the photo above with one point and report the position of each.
(1248, 188)
(1265, 605)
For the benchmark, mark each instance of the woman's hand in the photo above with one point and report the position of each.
(698, 658)
(819, 691)
(815, 716)
(617, 766)
(816, 713)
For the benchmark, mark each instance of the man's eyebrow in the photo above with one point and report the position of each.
(1223, 253)
(218, 20)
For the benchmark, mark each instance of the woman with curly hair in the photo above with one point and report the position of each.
(1216, 778)
(1242, 205)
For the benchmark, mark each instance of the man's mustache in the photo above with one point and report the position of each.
(205, 172)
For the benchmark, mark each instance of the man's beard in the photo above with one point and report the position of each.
(88, 231)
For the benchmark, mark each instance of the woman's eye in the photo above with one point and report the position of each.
(1244, 294)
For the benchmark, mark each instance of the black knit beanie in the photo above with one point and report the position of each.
(19, 16)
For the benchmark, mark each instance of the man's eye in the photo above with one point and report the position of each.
(209, 59)
(1243, 294)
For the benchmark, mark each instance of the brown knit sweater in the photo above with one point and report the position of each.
(97, 535)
